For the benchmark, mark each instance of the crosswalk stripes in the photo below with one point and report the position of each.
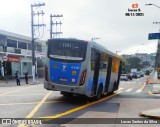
(131, 90)
(128, 90)
(138, 91)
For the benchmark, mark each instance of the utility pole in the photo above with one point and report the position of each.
(56, 21)
(157, 60)
(4, 61)
(33, 26)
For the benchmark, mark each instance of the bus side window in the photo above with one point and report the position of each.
(93, 57)
(104, 62)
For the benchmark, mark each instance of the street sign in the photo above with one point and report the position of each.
(5, 58)
(152, 36)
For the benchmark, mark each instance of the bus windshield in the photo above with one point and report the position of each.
(67, 50)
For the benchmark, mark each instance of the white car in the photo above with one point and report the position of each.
(124, 77)
(138, 75)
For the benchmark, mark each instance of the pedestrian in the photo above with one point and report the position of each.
(17, 78)
(26, 77)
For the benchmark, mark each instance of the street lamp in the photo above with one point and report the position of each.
(117, 52)
(153, 5)
(157, 62)
(95, 38)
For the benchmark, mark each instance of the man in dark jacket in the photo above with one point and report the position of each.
(17, 78)
(26, 77)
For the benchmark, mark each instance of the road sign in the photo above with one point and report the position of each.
(5, 58)
(152, 36)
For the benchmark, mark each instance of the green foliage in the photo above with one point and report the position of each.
(132, 62)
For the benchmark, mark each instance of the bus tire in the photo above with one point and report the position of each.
(99, 93)
(66, 94)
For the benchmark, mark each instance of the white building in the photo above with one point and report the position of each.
(17, 48)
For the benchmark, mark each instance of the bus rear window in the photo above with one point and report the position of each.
(67, 50)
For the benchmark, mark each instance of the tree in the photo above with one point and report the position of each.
(132, 62)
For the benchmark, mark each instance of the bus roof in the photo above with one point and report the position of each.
(100, 47)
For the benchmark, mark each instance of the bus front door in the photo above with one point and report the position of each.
(109, 69)
(96, 74)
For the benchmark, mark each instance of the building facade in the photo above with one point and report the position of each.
(16, 50)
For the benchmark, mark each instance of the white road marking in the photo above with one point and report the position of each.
(120, 89)
(138, 91)
(129, 90)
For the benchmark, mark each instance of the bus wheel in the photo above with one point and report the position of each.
(66, 94)
(99, 93)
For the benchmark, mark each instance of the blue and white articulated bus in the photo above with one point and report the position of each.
(81, 67)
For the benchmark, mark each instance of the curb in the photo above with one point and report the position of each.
(155, 113)
(153, 92)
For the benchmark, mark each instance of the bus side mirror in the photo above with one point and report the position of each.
(46, 43)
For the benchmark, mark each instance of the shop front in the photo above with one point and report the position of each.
(14, 63)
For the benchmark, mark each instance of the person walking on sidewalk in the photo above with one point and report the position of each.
(17, 78)
(26, 77)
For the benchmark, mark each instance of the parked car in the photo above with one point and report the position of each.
(134, 75)
(129, 76)
(124, 77)
(141, 74)
(138, 75)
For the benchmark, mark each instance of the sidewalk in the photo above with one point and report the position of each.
(155, 113)
(155, 82)
(12, 82)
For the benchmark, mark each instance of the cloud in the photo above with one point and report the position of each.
(85, 19)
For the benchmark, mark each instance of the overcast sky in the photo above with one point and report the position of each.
(85, 19)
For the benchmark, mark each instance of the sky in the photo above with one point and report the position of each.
(87, 19)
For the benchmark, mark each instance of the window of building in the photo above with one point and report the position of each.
(22, 45)
(18, 51)
(93, 58)
(29, 46)
(11, 43)
(2, 40)
(39, 48)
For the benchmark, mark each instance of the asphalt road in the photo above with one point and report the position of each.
(34, 101)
